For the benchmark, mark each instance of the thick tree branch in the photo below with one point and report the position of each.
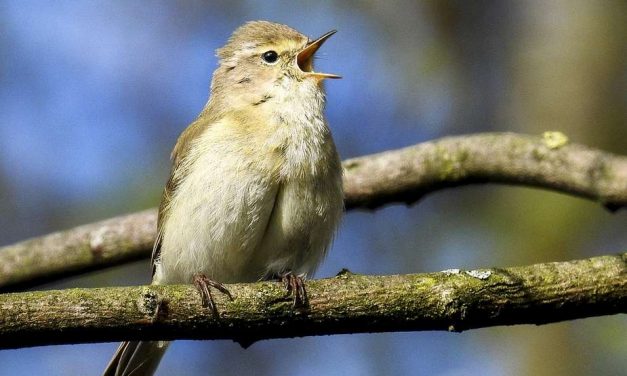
(451, 300)
(403, 175)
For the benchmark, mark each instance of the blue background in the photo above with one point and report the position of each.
(93, 95)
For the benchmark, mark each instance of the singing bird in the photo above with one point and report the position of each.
(255, 190)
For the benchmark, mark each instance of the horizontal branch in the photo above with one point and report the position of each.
(403, 175)
(452, 300)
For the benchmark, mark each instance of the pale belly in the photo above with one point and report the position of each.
(301, 226)
(240, 227)
(259, 199)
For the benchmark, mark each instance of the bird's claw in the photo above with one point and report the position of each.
(295, 286)
(204, 284)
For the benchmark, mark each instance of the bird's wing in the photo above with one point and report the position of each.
(180, 151)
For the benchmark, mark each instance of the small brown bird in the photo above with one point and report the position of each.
(255, 190)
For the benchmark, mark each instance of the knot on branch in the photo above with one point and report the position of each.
(152, 305)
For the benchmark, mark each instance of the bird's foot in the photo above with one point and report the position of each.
(295, 286)
(204, 284)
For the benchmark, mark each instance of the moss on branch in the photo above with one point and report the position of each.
(453, 300)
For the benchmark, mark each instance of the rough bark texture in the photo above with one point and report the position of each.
(550, 162)
(451, 300)
(403, 175)
(81, 249)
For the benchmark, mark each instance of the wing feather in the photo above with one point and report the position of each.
(179, 153)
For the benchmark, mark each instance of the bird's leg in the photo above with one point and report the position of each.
(204, 284)
(295, 286)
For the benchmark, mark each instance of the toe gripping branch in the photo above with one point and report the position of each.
(295, 286)
(204, 284)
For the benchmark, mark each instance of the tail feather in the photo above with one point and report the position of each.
(136, 358)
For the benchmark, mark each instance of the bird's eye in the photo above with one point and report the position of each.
(270, 57)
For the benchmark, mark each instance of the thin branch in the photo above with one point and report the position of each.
(78, 250)
(403, 175)
(451, 300)
(549, 162)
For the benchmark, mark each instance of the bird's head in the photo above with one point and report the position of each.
(264, 60)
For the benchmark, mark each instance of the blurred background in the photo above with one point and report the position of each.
(93, 95)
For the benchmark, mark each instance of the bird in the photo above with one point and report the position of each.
(255, 188)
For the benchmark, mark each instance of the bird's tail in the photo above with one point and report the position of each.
(136, 358)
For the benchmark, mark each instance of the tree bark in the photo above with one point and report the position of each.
(452, 300)
(78, 250)
(398, 176)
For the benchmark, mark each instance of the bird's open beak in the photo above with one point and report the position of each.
(304, 59)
